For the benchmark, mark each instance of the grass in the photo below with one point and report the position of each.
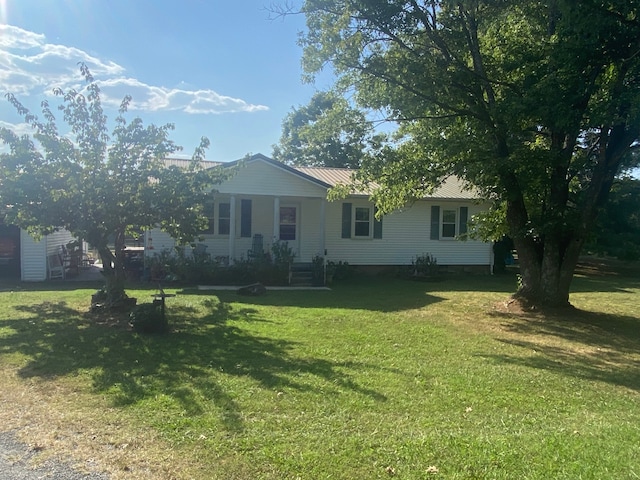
(374, 379)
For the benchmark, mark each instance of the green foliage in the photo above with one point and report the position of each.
(148, 318)
(340, 270)
(318, 270)
(98, 185)
(178, 265)
(425, 265)
(618, 230)
(534, 104)
(283, 254)
(327, 132)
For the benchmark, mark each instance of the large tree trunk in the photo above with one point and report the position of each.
(114, 273)
(546, 264)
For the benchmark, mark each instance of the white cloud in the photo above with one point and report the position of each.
(29, 65)
(17, 128)
(151, 98)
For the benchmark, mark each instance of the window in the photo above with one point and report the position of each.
(224, 218)
(448, 222)
(288, 223)
(360, 222)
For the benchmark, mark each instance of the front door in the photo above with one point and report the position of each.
(290, 227)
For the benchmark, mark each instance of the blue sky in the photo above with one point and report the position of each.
(223, 69)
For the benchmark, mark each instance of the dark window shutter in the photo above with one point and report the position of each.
(346, 220)
(464, 213)
(245, 218)
(435, 222)
(377, 225)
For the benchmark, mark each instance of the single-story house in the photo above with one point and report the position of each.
(274, 201)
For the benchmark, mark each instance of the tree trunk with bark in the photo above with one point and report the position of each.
(114, 273)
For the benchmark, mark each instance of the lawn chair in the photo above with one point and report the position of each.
(55, 266)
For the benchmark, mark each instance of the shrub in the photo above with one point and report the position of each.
(339, 270)
(424, 265)
(317, 270)
(149, 318)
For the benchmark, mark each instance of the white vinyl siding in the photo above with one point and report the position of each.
(260, 178)
(406, 235)
(33, 254)
(33, 258)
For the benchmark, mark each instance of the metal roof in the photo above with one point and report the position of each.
(451, 188)
(184, 163)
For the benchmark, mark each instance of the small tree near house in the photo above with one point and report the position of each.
(99, 185)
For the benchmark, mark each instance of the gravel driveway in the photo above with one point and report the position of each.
(15, 464)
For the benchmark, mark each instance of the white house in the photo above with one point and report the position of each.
(280, 202)
(268, 199)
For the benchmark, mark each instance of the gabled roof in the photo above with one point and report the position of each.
(452, 188)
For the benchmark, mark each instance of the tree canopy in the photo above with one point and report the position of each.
(100, 186)
(327, 132)
(535, 104)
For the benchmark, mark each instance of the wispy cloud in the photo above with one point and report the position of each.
(17, 128)
(30, 65)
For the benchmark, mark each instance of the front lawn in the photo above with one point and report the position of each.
(374, 379)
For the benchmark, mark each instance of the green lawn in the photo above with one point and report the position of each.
(374, 379)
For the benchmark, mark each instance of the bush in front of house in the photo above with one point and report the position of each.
(424, 266)
(268, 268)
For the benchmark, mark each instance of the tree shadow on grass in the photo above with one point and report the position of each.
(186, 364)
(589, 345)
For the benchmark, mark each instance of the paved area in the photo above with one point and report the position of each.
(17, 462)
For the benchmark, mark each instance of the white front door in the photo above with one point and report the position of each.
(289, 228)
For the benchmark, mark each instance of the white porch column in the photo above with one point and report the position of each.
(232, 228)
(276, 219)
(323, 204)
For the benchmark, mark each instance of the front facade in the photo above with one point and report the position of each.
(268, 199)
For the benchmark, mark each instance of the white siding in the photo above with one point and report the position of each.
(405, 235)
(156, 241)
(56, 240)
(33, 258)
(261, 178)
(33, 254)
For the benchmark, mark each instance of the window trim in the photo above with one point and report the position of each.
(442, 223)
(349, 221)
(355, 222)
(438, 224)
